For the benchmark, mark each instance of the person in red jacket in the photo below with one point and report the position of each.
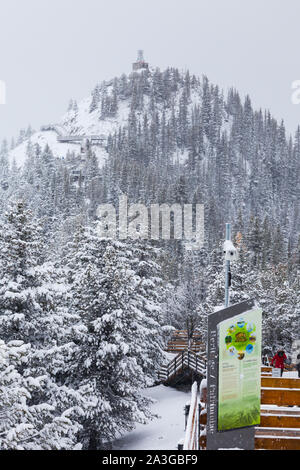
(278, 360)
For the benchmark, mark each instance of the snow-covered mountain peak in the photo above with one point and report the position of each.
(107, 110)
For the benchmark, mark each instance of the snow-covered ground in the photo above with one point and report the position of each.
(19, 154)
(165, 432)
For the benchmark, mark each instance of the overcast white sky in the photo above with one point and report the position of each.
(52, 50)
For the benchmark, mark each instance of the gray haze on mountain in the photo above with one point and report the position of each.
(54, 50)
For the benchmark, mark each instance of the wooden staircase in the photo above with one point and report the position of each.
(180, 341)
(186, 360)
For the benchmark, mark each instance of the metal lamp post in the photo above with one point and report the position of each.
(227, 267)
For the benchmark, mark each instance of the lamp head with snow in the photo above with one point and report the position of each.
(230, 252)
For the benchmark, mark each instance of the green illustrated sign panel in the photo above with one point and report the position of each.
(239, 371)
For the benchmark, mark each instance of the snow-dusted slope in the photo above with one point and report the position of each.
(82, 123)
(42, 138)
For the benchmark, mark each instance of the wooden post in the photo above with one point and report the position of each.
(228, 238)
(186, 413)
(199, 424)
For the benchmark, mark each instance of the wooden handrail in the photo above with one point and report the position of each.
(191, 441)
(186, 359)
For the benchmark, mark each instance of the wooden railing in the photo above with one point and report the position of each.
(185, 360)
(80, 138)
(266, 371)
(180, 341)
(279, 428)
(191, 441)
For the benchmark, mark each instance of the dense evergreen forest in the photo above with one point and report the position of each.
(84, 320)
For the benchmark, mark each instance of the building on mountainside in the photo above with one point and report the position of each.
(85, 147)
(78, 172)
(140, 63)
(76, 176)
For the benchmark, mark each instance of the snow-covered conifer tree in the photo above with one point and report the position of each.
(120, 345)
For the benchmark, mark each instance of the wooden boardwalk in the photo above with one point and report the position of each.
(63, 137)
(280, 414)
(279, 428)
(94, 139)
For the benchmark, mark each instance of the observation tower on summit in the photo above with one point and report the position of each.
(140, 63)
